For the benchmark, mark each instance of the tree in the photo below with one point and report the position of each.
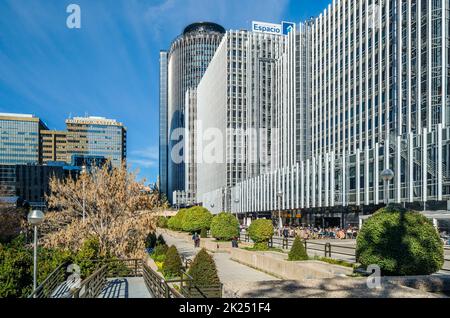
(224, 226)
(298, 251)
(172, 265)
(261, 231)
(13, 220)
(16, 277)
(401, 242)
(196, 218)
(203, 270)
(118, 210)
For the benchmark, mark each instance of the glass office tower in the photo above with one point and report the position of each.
(19, 139)
(97, 136)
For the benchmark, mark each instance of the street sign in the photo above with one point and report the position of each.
(287, 27)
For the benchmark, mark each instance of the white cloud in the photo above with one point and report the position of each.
(145, 158)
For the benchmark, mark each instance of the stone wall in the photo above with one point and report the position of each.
(277, 265)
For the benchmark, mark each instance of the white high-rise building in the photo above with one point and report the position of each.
(235, 103)
(364, 87)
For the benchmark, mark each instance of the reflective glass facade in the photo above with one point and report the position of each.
(97, 137)
(19, 139)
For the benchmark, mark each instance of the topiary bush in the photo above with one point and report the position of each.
(298, 251)
(172, 265)
(401, 242)
(159, 253)
(203, 270)
(196, 218)
(204, 233)
(160, 240)
(261, 231)
(150, 240)
(176, 222)
(224, 226)
(162, 222)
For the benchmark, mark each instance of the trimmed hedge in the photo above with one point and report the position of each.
(176, 222)
(196, 218)
(172, 264)
(261, 231)
(224, 226)
(401, 242)
(298, 251)
(203, 270)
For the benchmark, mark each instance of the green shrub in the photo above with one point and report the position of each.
(160, 240)
(224, 226)
(162, 222)
(204, 233)
(400, 242)
(261, 231)
(16, 267)
(176, 222)
(196, 218)
(89, 251)
(172, 265)
(203, 270)
(150, 241)
(16, 271)
(159, 253)
(298, 251)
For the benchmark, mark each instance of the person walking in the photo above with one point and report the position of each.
(196, 239)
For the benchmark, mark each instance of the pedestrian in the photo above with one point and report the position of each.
(286, 232)
(195, 238)
(197, 241)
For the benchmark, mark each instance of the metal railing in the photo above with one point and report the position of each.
(92, 286)
(51, 283)
(157, 285)
(330, 250)
(182, 287)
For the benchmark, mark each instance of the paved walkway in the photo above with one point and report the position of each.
(131, 287)
(228, 270)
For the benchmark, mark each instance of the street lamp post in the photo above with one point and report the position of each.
(387, 176)
(236, 201)
(280, 196)
(35, 218)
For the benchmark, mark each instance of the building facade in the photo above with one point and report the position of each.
(19, 139)
(54, 146)
(163, 124)
(235, 112)
(97, 136)
(373, 88)
(187, 60)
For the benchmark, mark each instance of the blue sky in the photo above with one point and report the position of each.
(109, 67)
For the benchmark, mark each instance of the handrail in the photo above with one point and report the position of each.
(40, 292)
(98, 279)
